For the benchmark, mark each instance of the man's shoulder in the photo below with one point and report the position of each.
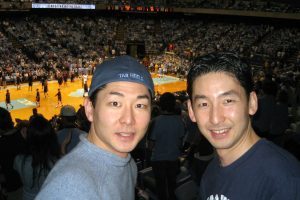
(68, 166)
(68, 180)
(69, 184)
(265, 158)
(277, 160)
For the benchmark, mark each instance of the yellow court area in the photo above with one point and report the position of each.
(48, 104)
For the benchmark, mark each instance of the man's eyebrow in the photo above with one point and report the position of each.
(227, 93)
(230, 93)
(199, 96)
(145, 96)
(116, 93)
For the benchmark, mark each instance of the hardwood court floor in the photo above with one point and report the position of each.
(48, 105)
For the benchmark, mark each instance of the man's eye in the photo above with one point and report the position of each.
(115, 104)
(227, 101)
(141, 106)
(202, 104)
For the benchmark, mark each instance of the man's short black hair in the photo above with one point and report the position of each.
(226, 62)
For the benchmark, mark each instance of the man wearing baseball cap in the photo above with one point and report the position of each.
(68, 133)
(100, 166)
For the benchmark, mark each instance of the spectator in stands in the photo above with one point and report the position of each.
(34, 114)
(263, 118)
(68, 128)
(222, 99)
(119, 109)
(12, 143)
(166, 133)
(280, 119)
(42, 152)
(82, 121)
(199, 152)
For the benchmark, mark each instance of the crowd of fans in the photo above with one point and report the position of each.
(38, 44)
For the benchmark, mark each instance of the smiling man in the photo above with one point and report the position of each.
(222, 101)
(119, 109)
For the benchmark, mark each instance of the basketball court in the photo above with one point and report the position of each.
(72, 94)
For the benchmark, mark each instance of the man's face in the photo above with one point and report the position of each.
(120, 117)
(221, 109)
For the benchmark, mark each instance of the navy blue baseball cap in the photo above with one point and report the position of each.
(122, 68)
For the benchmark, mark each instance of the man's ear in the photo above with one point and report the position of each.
(253, 103)
(191, 111)
(89, 109)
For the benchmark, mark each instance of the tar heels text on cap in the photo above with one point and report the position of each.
(131, 75)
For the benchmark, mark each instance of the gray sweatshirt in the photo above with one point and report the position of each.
(89, 173)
